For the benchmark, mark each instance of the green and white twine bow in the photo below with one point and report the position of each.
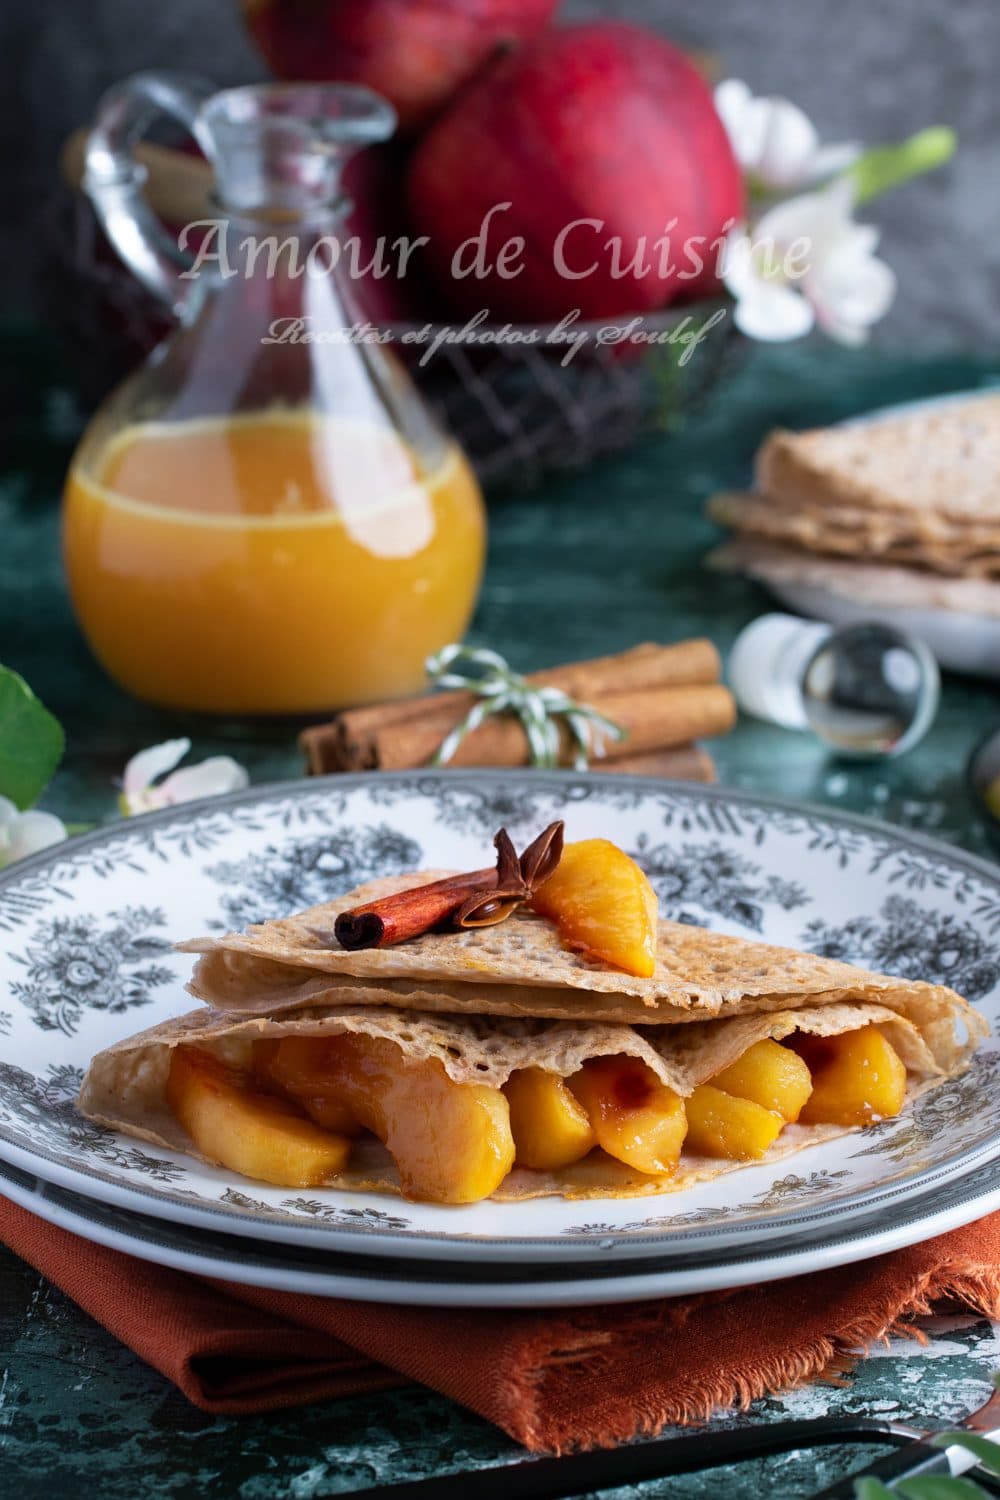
(539, 709)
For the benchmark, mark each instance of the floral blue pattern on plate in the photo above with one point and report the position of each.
(85, 958)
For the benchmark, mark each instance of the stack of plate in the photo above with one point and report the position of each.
(85, 958)
(891, 562)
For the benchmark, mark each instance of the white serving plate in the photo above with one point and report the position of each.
(451, 1283)
(85, 958)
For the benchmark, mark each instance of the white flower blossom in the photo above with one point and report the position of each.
(142, 792)
(807, 263)
(775, 142)
(23, 833)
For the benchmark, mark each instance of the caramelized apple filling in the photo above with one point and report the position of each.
(551, 1128)
(721, 1124)
(636, 1118)
(770, 1075)
(291, 1117)
(234, 1123)
(858, 1078)
(297, 1066)
(602, 904)
(451, 1142)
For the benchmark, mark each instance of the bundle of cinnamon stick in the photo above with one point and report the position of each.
(664, 697)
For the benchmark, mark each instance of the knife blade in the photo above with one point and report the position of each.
(654, 1458)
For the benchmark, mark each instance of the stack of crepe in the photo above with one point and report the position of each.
(486, 1002)
(900, 510)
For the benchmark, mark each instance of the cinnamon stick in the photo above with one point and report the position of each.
(652, 720)
(406, 733)
(647, 665)
(407, 914)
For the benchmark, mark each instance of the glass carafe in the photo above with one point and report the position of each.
(265, 518)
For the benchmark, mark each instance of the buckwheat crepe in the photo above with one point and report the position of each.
(931, 1028)
(924, 463)
(887, 537)
(489, 1001)
(519, 968)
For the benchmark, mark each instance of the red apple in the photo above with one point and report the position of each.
(416, 53)
(604, 122)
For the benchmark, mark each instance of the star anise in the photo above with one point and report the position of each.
(517, 879)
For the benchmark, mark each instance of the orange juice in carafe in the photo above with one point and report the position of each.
(276, 562)
(258, 523)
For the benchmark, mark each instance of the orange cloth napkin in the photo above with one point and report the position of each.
(554, 1380)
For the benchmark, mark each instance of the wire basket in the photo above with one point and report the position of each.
(520, 408)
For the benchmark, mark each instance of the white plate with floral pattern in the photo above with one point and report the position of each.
(85, 958)
(460, 1283)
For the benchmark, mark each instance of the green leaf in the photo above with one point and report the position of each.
(987, 1453)
(940, 1487)
(883, 167)
(31, 741)
(873, 1489)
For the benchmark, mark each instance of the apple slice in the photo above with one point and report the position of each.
(770, 1075)
(296, 1066)
(551, 1128)
(233, 1123)
(602, 904)
(858, 1077)
(721, 1124)
(636, 1118)
(451, 1141)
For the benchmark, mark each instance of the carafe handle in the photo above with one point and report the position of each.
(113, 178)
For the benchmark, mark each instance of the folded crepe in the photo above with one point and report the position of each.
(519, 968)
(125, 1087)
(488, 1002)
(874, 536)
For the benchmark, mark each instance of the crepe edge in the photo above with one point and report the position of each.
(110, 1081)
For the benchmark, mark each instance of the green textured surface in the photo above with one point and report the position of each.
(593, 563)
